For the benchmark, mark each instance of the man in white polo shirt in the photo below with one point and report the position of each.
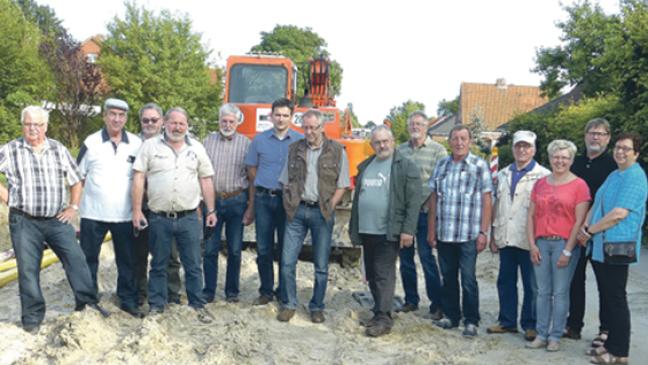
(105, 161)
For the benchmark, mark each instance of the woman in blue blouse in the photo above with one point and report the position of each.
(618, 213)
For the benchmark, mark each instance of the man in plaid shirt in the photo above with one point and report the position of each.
(39, 171)
(458, 225)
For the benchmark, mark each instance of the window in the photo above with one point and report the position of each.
(257, 84)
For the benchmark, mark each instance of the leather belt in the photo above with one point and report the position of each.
(229, 195)
(551, 238)
(310, 204)
(271, 192)
(175, 215)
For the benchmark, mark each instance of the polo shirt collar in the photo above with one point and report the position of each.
(525, 169)
(105, 137)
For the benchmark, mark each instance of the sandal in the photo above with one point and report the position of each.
(608, 358)
(599, 340)
(595, 351)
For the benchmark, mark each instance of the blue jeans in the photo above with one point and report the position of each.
(510, 259)
(553, 289)
(92, 235)
(270, 216)
(306, 218)
(230, 216)
(430, 270)
(187, 231)
(27, 237)
(456, 257)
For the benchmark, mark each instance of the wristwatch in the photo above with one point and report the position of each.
(74, 206)
(566, 253)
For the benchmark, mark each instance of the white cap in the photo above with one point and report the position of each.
(524, 136)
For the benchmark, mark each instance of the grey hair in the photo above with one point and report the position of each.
(598, 122)
(176, 109)
(148, 106)
(562, 144)
(417, 113)
(379, 128)
(313, 113)
(230, 109)
(37, 114)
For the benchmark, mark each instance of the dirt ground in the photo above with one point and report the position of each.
(246, 334)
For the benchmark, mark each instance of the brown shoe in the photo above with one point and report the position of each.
(530, 334)
(262, 300)
(436, 315)
(572, 334)
(317, 317)
(500, 329)
(285, 315)
(369, 322)
(407, 307)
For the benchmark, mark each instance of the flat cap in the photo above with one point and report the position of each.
(112, 103)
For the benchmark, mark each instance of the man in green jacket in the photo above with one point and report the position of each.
(388, 190)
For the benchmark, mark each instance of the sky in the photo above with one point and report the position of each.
(391, 51)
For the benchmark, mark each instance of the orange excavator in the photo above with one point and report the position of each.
(254, 81)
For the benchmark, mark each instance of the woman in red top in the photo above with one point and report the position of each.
(558, 206)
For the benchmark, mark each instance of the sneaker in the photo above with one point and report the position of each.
(572, 334)
(262, 300)
(380, 328)
(530, 334)
(407, 307)
(203, 315)
(317, 317)
(445, 323)
(536, 344)
(285, 315)
(553, 346)
(500, 329)
(470, 330)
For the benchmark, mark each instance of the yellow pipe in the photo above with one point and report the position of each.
(9, 272)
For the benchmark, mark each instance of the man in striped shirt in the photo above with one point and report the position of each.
(39, 171)
(226, 150)
(458, 226)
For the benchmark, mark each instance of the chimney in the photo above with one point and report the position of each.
(501, 83)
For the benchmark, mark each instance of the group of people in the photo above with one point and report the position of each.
(161, 193)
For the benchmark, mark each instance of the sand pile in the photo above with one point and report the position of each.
(246, 334)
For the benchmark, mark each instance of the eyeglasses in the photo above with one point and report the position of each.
(151, 120)
(34, 125)
(597, 134)
(625, 149)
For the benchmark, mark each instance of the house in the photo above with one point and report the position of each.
(495, 104)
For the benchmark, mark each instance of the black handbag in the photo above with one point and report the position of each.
(618, 252)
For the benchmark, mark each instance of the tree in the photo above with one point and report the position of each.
(300, 45)
(78, 82)
(448, 107)
(24, 76)
(398, 117)
(158, 58)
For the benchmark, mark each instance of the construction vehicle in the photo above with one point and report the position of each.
(254, 81)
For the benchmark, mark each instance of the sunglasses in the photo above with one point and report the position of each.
(151, 120)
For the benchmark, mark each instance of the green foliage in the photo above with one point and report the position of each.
(565, 123)
(300, 45)
(24, 77)
(448, 107)
(158, 58)
(398, 117)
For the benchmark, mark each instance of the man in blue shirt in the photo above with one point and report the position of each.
(265, 160)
